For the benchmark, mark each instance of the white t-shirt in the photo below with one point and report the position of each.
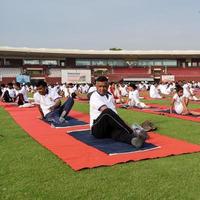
(96, 102)
(186, 90)
(66, 91)
(24, 92)
(46, 101)
(11, 92)
(123, 91)
(153, 92)
(92, 89)
(178, 105)
(134, 96)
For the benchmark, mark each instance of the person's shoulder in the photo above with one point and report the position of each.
(36, 94)
(175, 96)
(94, 94)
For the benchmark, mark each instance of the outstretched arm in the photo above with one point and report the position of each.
(171, 106)
(41, 113)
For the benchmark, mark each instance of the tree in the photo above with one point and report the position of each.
(115, 49)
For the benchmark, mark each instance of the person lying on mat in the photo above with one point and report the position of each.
(179, 103)
(49, 104)
(106, 123)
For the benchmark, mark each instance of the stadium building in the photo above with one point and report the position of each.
(62, 65)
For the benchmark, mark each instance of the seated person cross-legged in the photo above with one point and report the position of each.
(104, 120)
(8, 94)
(179, 103)
(21, 94)
(49, 104)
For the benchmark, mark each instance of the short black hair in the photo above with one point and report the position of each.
(179, 88)
(10, 84)
(133, 86)
(73, 95)
(41, 83)
(101, 79)
(17, 84)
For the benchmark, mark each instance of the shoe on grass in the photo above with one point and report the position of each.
(148, 126)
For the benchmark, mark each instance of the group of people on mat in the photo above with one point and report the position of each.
(104, 120)
(14, 93)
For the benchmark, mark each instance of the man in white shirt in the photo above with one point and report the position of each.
(104, 120)
(49, 104)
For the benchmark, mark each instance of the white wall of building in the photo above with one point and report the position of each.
(55, 72)
(9, 72)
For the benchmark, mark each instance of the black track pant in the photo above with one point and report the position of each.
(7, 97)
(110, 125)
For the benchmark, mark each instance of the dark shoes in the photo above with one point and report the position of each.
(148, 126)
(137, 141)
(140, 135)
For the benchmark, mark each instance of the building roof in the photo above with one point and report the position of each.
(24, 51)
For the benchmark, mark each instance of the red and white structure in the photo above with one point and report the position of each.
(52, 64)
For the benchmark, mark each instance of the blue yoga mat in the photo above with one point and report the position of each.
(107, 145)
(70, 121)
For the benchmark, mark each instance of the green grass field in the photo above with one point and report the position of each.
(29, 171)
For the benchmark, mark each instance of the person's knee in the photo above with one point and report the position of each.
(69, 101)
(108, 110)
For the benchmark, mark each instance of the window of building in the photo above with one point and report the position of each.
(31, 62)
(83, 62)
(145, 62)
(99, 62)
(119, 63)
(13, 62)
(194, 64)
(62, 63)
(49, 62)
(34, 72)
(158, 63)
(169, 63)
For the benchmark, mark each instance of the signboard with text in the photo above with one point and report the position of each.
(168, 78)
(76, 76)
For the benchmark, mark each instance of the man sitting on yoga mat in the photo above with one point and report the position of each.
(104, 120)
(49, 104)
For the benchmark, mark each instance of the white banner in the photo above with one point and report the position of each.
(168, 78)
(76, 76)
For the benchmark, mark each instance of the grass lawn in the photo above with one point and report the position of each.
(29, 171)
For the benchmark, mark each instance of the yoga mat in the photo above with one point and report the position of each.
(70, 121)
(108, 145)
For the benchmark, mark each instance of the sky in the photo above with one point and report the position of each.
(101, 24)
